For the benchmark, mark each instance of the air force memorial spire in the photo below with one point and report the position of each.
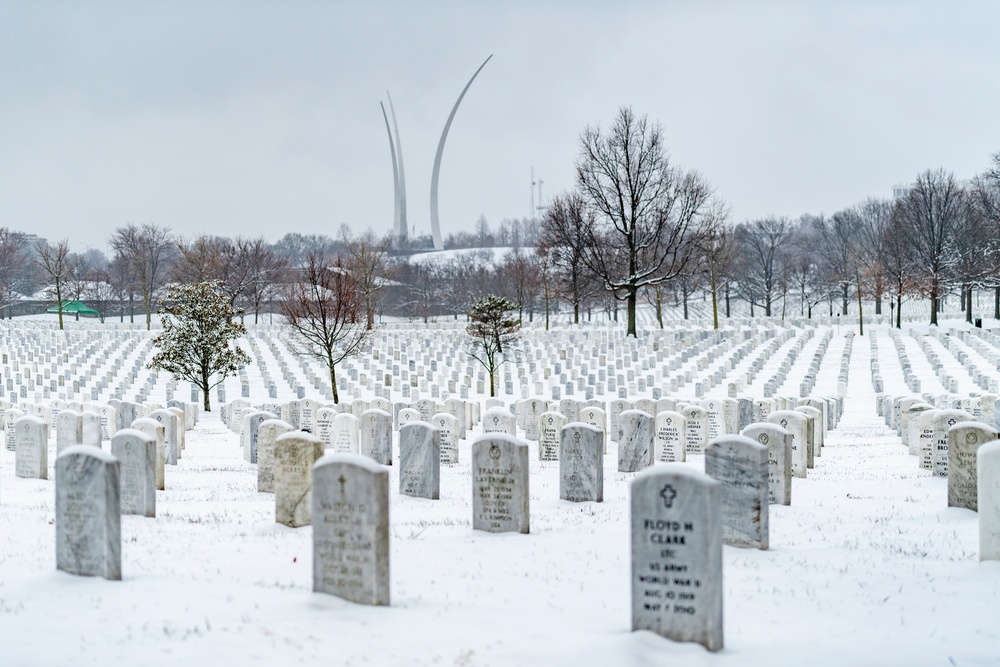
(398, 177)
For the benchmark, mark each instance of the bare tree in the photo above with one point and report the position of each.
(645, 211)
(802, 267)
(839, 236)
(931, 213)
(563, 237)
(484, 237)
(762, 251)
(18, 274)
(325, 308)
(519, 273)
(148, 249)
(417, 294)
(972, 248)
(898, 260)
(366, 263)
(265, 268)
(718, 251)
(121, 279)
(296, 248)
(465, 279)
(873, 216)
(57, 264)
(100, 290)
(202, 259)
(985, 199)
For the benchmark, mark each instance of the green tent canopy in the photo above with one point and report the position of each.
(74, 308)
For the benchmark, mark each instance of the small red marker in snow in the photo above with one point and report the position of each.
(295, 559)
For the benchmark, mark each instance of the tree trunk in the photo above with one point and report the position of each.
(727, 301)
(878, 303)
(996, 302)
(684, 296)
(845, 295)
(968, 304)
(493, 391)
(59, 302)
(934, 302)
(546, 309)
(659, 307)
(333, 382)
(715, 303)
(206, 401)
(861, 319)
(630, 304)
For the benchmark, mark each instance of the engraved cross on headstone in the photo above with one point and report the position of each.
(668, 494)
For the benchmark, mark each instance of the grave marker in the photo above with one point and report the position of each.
(88, 513)
(779, 459)
(988, 500)
(500, 484)
(31, 440)
(581, 463)
(671, 437)
(964, 441)
(635, 442)
(350, 509)
(677, 555)
(267, 434)
(741, 465)
(419, 461)
(549, 426)
(136, 453)
(295, 453)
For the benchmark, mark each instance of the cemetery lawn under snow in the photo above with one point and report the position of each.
(868, 566)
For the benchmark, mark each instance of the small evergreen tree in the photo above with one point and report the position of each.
(491, 330)
(195, 342)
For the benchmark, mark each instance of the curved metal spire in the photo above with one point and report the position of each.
(435, 225)
(402, 173)
(395, 175)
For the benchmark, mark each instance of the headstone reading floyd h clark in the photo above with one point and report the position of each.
(677, 554)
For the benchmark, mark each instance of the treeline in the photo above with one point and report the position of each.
(637, 229)
(146, 258)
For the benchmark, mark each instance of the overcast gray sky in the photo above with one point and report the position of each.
(263, 117)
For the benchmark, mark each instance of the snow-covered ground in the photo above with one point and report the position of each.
(868, 566)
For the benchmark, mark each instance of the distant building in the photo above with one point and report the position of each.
(901, 190)
(30, 240)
